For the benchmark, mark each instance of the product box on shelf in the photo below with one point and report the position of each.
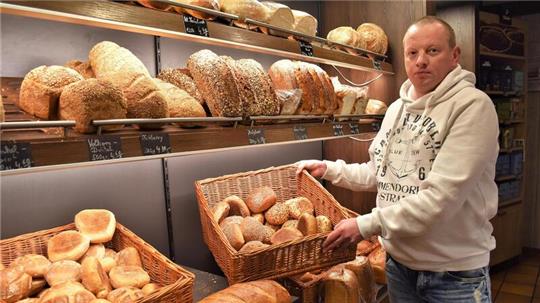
(502, 167)
(278, 260)
(516, 163)
(514, 188)
(504, 191)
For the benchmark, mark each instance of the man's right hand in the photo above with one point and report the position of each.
(315, 168)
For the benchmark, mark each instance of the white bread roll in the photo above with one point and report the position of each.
(15, 284)
(220, 211)
(95, 250)
(63, 271)
(128, 276)
(67, 245)
(97, 224)
(68, 292)
(150, 288)
(125, 294)
(34, 265)
(94, 278)
(278, 15)
(304, 23)
(128, 256)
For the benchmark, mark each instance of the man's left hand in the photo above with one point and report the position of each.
(345, 233)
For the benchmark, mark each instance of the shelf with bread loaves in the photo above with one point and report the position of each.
(114, 90)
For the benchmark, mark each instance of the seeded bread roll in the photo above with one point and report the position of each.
(128, 256)
(233, 233)
(128, 276)
(253, 246)
(277, 214)
(181, 80)
(41, 89)
(286, 234)
(82, 68)
(71, 292)
(237, 206)
(96, 224)
(220, 211)
(307, 224)
(15, 284)
(94, 278)
(211, 4)
(323, 224)
(67, 245)
(299, 205)
(253, 230)
(125, 294)
(179, 102)
(34, 265)
(261, 199)
(268, 233)
(231, 220)
(290, 223)
(63, 271)
(213, 78)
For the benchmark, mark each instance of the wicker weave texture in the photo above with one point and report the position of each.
(275, 261)
(177, 282)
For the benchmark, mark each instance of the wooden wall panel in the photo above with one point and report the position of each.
(531, 220)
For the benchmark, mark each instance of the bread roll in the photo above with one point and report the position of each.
(100, 301)
(29, 300)
(340, 286)
(253, 230)
(374, 37)
(233, 233)
(252, 9)
(41, 89)
(364, 247)
(15, 284)
(261, 199)
(348, 36)
(97, 224)
(2, 112)
(107, 263)
(278, 15)
(290, 223)
(38, 285)
(286, 234)
(307, 224)
(252, 246)
(259, 217)
(323, 224)
(304, 23)
(263, 291)
(95, 250)
(179, 102)
(91, 99)
(220, 211)
(67, 245)
(181, 80)
(298, 206)
(231, 220)
(268, 233)
(68, 292)
(128, 276)
(376, 107)
(83, 68)
(94, 278)
(273, 227)
(365, 278)
(128, 256)
(211, 4)
(213, 78)
(273, 288)
(34, 265)
(377, 259)
(125, 295)
(237, 206)
(277, 214)
(150, 288)
(63, 271)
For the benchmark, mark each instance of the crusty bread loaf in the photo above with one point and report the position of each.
(252, 9)
(278, 15)
(376, 107)
(330, 99)
(63, 271)
(67, 245)
(307, 224)
(252, 246)
(68, 292)
(34, 265)
(150, 288)
(41, 89)
(319, 97)
(233, 233)
(211, 4)
(94, 278)
(374, 37)
(261, 199)
(340, 286)
(215, 80)
(128, 256)
(286, 234)
(346, 98)
(377, 259)
(304, 23)
(307, 85)
(179, 102)
(365, 278)
(283, 76)
(273, 288)
(237, 206)
(220, 211)
(91, 99)
(15, 284)
(108, 57)
(83, 68)
(253, 230)
(179, 78)
(260, 291)
(277, 214)
(125, 294)
(155, 4)
(323, 224)
(128, 276)
(297, 206)
(348, 36)
(96, 224)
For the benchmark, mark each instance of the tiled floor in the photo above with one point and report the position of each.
(518, 283)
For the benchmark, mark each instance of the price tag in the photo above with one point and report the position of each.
(338, 129)
(15, 155)
(104, 148)
(256, 136)
(300, 132)
(354, 128)
(196, 26)
(155, 144)
(376, 126)
(377, 64)
(306, 48)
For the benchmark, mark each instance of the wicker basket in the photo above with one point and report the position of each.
(178, 283)
(275, 261)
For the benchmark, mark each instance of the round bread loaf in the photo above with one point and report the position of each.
(211, 4)
(374, 37)
(277, 214)
(290, 223)
(348, 36)
(233, 233)
(128, 256)
(97, 224)
(15, 284)
(253, 246)
(286, 234)
(94, 278)
(282, 75)
(220, 211)
(41, 89)
(277, 291)
(307, 224)
(150, 288)
(253, 230)
(126, 276)
(181, 80)
(323, 224)
(67, 245)
(34, 265)
(92, 99)
(63, 271)
(238, 206)
(298, 206)
(259, 217)
(82, 68)
(69, 292)
(261, 199)
(231, 220)
(125, 294)
(179, 102)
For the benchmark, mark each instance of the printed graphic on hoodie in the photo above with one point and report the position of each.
(409, 152)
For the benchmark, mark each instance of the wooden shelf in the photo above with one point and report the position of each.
(510, 150)
(507, 178)
(510, 122)
(502, 56)
(107, 14)
(508, 202)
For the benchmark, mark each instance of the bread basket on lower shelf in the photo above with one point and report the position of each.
(275, 261)
(177, 282)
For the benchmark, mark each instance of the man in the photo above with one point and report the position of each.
(433, 166)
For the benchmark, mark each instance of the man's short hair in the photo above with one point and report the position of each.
(432, 19)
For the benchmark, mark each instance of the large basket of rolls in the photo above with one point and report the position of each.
(269, 223)
(93, 260)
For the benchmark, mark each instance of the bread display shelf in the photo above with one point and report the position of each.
(153, 22)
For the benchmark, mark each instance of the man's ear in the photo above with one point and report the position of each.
(456, 53)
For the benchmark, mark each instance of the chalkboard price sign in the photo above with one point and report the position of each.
(300, 132)
(256, 136)
(155, 144)
(15, 155)
(377, 64)
(338, 130)
(104, 148)
(306, 48)
(196, 26)
(354, 128)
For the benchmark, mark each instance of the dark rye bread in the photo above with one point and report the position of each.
(215, 80)
(180, 79)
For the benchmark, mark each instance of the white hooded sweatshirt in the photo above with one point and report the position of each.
(433, 166)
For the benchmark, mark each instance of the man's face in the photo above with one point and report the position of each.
(428, 56)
